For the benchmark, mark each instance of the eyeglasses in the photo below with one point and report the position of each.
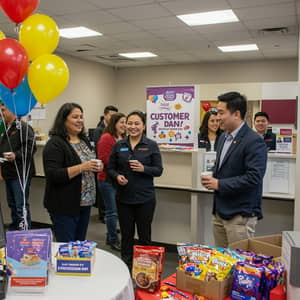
(214, 109)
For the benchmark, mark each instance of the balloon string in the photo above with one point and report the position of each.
(23, 182)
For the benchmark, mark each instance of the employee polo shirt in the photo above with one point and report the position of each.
(140, 188)
(270, 140)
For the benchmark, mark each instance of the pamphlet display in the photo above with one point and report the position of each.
(28, 258)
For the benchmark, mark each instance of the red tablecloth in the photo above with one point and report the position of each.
(142, 295)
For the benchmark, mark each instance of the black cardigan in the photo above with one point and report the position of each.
(62, 194)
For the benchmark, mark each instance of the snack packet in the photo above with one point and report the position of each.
(147, 267)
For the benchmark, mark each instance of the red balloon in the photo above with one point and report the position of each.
(14, 63)
(206, 106)
(19, 10)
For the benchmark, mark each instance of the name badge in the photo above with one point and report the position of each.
(143, 149)
(124, 149)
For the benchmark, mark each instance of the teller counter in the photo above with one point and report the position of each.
(184, 206)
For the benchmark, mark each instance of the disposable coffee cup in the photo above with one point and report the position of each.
(133, 160)
(7, 153)
(98, 161)
(207, 174)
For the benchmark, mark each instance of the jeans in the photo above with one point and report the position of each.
(71, 228)
(108, 194)
(15, 200)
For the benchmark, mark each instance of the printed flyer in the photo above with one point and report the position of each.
(172, 115)
(284, 140)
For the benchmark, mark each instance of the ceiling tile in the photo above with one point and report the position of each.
(93, 19)
(271, 22)
(117, 3)
(159, 23)
(254, 3)
(227, 37)
(217, 28)
(119, 27)
(60, 7)
(140, 12)
(174, 32)
(131, 36)
(151, 25)
(179, 7)
(278, 10)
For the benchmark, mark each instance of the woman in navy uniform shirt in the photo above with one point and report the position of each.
(133, 163)
(209, 131)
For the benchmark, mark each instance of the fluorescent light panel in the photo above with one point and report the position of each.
(239, 48)
(210, 17)
(138, 54)
(77, 32)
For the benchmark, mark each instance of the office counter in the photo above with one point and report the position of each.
(184, 206)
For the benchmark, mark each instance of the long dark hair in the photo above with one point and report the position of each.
(58, 127)
(111, 126)
(204, 126)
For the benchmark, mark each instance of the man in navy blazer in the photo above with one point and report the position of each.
(238, 174)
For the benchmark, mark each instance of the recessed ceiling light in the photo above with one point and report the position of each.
(238, 48)
(210, 17)
(77, 32)
(138, 54)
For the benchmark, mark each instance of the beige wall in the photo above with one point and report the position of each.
(92, 85)
(214, 78)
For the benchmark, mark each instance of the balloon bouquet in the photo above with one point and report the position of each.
(29, 72)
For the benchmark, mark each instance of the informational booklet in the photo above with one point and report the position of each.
(29, 257)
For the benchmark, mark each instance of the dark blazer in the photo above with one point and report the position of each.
(204, 142)
(62, 194)
(98, 132)
(240, 175)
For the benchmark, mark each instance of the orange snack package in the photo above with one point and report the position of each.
(147, 267)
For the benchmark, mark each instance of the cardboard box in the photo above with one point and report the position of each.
(75, 266)
(257, 246)
(274, 239)
(213, 289)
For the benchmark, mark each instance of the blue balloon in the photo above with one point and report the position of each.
(20, 101)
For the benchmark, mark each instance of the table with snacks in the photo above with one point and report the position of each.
(110, 279)
(217, 273)
(170, 284)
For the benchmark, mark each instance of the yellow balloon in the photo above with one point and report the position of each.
(48, 76)
(39, 35)
(2, 35)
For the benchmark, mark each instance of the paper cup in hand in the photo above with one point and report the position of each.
(98, 161)
(207, 174)
(6, 154)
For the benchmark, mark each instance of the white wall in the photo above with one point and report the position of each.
(92, 85)
(297, 189)
(215, 78)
